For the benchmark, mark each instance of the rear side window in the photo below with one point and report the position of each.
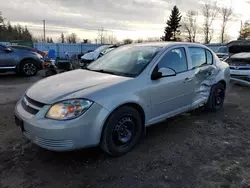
(209, 57)
(200, 57)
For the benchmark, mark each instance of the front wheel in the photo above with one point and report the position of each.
(121, 131)
(28, 68)
(216, 98)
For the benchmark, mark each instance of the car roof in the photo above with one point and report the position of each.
(21, 46)
(168, 44)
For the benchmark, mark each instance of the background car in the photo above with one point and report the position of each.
(222, 53)
(21, 47)
(20, 60)
(87, 58)
(240, 67)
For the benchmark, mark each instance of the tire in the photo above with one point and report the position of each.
(216, 98)
(121, 131)
(49, 73)
(28, 68)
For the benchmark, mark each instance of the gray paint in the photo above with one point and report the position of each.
(159, 99)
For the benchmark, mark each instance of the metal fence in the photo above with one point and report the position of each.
(61, 48)
(73, 49)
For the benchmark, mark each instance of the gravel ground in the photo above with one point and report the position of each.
(195, 149)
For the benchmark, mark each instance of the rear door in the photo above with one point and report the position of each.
(202, 71)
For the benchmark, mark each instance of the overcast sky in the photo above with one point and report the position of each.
(124, 18)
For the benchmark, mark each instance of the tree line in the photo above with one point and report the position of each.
(10, 32)
(188, 25)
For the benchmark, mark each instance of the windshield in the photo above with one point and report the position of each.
(125, 61)
(102, 48)
(223, 50)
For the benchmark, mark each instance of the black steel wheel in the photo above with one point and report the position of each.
(216, 98)
(219, 96)
(121, 131)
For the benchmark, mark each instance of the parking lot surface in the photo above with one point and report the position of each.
(195, 149)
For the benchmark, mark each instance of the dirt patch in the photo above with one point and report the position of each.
(195, 149)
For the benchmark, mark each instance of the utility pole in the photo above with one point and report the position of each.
(44, 35)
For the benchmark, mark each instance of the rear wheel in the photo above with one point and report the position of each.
(28, 68)
(216, 98)
(121, 131)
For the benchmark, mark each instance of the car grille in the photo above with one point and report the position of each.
(31, 105)
(48, 143)
(245, 78)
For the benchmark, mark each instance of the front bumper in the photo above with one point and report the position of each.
(55, 135)
(240, 76)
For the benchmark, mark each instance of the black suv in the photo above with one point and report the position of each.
(20, 60)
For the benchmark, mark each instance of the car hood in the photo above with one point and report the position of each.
(221, 54)
(72, 84)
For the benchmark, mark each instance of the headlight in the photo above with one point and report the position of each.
(68, 109)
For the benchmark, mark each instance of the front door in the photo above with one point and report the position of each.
(172, 95)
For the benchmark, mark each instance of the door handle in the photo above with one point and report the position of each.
(187, 80)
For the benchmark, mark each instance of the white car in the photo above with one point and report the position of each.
(92, 56)
(239, 65)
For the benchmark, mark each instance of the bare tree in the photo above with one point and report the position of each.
(190, 26)
(112, 38)
(72, 38)
(101, 35)
(226, 14)
(210, 12)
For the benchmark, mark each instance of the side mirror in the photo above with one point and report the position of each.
(162, 72)
(166, 72)
(8, 50)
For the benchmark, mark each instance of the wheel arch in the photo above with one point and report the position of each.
(134, 105)
(223, 82)
(39, 66)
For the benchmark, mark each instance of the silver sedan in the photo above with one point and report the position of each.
(116, 97)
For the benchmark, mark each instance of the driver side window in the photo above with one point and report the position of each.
(175, 59)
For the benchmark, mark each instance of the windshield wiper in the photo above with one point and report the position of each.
(105, 71)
